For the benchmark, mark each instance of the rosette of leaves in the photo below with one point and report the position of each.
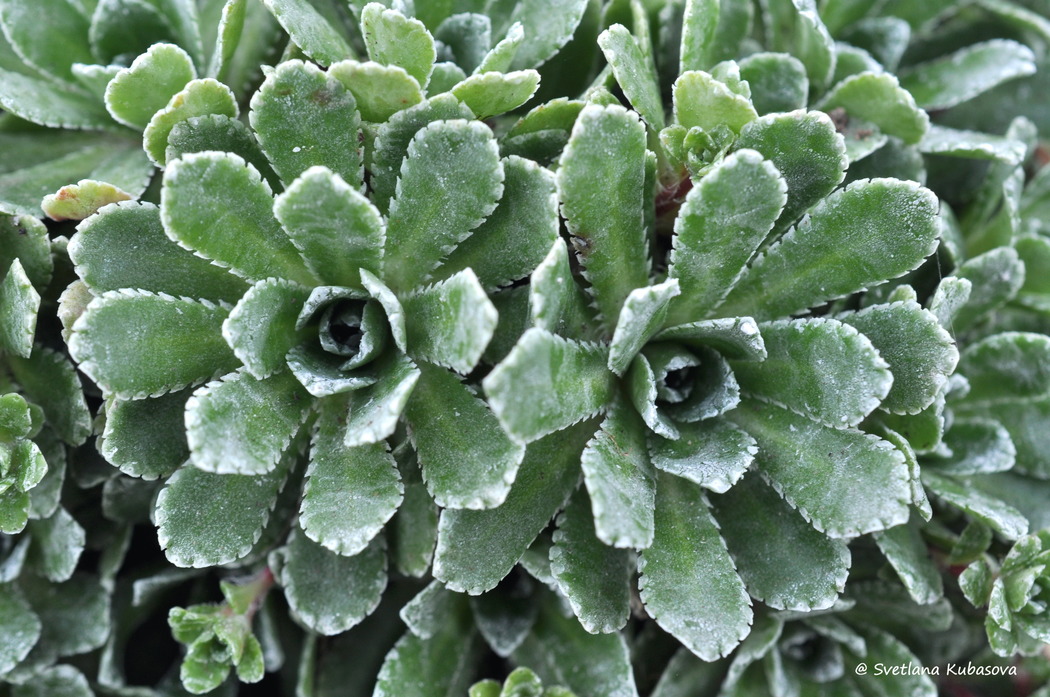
(123, 68)
(522, 682)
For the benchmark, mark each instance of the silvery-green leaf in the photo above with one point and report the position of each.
(501, 56)
(718, 230)
(25, 238)
(489, 94)
(205, 519)
(1001, 517)
(567, 381)
(941, 140)
(1007, 367)
(1025, 423)
(906, 551)
(979, 446)
(57, 681)
(703, 101)
(21, 627)
(350, 493)
(961, 76)
(34, 40)
(375, 410)
(620, 479)
(713, 453)
(885, 649)
(844, 482)
(304, 118)
(996, 277)
(951, 295)
(700, 25)
(219, 132)
(879, 99)
(146, 437)
(335, 228)
(328, 592)
(784, 562)
(888, 226)
(920, 353)
(778, 82)
(600, 184)
(806, 150)
(451, 180)
(148, 84)
(594, 577)
(643, 315)
(556, 304)
(444, 663)
(563, 653)
(56, 545)
(736, 338)
(44, 102)
(197, 98)
(414, 531)
(689, 583)
(796, 26)
(311, 30)
(431, 609)
(820, 368)
(229, 31)
(380, 90)
(136, 344)
(48, 379)
(450, 322)
(468, 461)
(548, 26)
(19, 303)
(635, 72)
(477, 549)
(505, 616)
(261, 328)
(466, 38)
(393, 39)
(218, 206)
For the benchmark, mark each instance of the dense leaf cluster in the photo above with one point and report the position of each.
(666, 347)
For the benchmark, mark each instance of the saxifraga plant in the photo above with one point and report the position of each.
(628, 384)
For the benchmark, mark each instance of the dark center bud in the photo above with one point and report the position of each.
(819, 657)
(340, 328)
(673, 368)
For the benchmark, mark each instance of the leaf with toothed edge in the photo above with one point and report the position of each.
(311, 30)
(47, 378)
(879, 99)
(689, 584)
(906, 551)
(146, 437)
(548, 383)
(468, 461)
(844, 482)
(380, 90)
(450, 322)
(1007, 367)
(49, 104)
(451, 180)
(701, 100)
(139, 91)
(241, 425)
(635, 72)
(221, 133)
(960, 76)
(197, 98)
(501, 56)
(1001, 517)
(217, 205)
(138, 344)
(643, 314)
(620, 480)
(820, 368)
(556, 303)
(350, 493)
(375, 410)
(490, 94)
(391, 38)
(869, 231)
(712, 453)
(395, 314)
(601, 181)
(642, 391)
(758, 526)
(736, 338)
(19, 303)
(261, 328)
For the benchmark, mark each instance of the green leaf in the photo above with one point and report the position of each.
(228, 34)
(996, 277)
(806, 150)
(414, 531)
(218, 206)
(907, 553)
(492, 93)
(74, 616)
(450, 182)
(844, 482)
(563, 653)
(81, 200)
(14, 511)
(514, 239)
(56, 545)
(595, 578)
(713, 453)
(733, 337)
(218, 132)
(123, 28)
(57, 681)
(311, 30)
(885, 649)
(21, 627)
(137, 344)
(643, 315)
(467, 37)
(304, 117)
(315, 582)
(635, 72)
(688, 583)
(501, 56)
(702, 101)
(431, 609)
(548, 26)
(819, 368)
(444, 663)
(146, 437)
(940, 140)
(205, 519)
(444, 77)
(717, 231)
(700, 21)
(890, 225)
(778, 82)
(1001, 517)
(1005, 367)
(198, 98)
(346, 524)
(375, 410)
(556, 304)
(242, 425)
(920, 353)
(394, 136)
(979, 446)
(879, 99)
(467, 459)
(784, 562)
(48, 104)
(137, 92)
(380, 90)
(48, 379)
(261, 328)
(970, 71)
(601, 185)
(124, 246)
(951, 295)
(19, 303)
(620, 480)
(796, 26)
(477, 549)
(393, 39)
(567, 382)
(25, 238)
(450, 322)
(34, 40)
